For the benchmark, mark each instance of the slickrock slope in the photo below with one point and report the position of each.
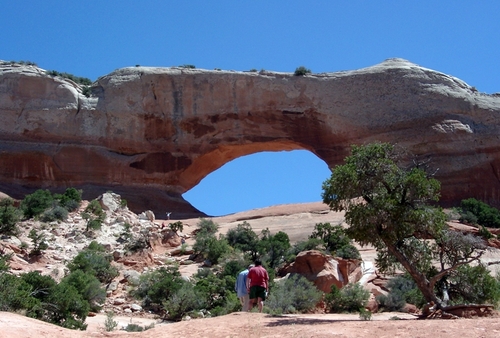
(151, 134)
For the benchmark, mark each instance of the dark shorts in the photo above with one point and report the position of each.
(258, 292)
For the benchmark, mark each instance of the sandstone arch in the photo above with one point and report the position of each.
(151, 134)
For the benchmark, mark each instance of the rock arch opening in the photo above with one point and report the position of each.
(259, 180)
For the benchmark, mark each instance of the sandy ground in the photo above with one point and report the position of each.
(261, 325)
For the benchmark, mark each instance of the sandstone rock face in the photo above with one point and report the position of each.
(324, 271)
(151, 134)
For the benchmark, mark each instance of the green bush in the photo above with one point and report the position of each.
(9, 216)
(16, 295)
(301, 71)
(70, 200)
(39, 243)
(77, 79)
(110, 324)
(67, 307)
(402, 290)
(95, 263)
(473, 285)
(207, 226)
(273, 248)
(176, 226)
(336, 240)
(88, 287)
(486, 215)
(157, 286)
(351, 298)
(211, 247)
(188, 66)
(293, 295)
(243, 238)
(54, 214)
(34, 204)
(183, 300)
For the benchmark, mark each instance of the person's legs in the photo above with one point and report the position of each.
(246, 302)
(261, 303)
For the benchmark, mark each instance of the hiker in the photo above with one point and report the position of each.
(241, 288)
(257, 285)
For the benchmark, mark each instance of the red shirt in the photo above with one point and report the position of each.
(258, 276)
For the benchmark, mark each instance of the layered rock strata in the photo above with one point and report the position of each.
(151, 134)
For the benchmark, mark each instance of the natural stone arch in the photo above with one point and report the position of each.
(150, 134)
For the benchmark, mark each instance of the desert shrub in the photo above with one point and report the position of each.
(473, 285)
(88, 287)
(184, 300)
(54, 214)
(71, 199)
(273, 248)
(485, 233)
(309, 244)
(77, 79)
(293, 295)
(9, 216)
(38, 240)
(336, 240)
(87, 91)
(486, 215)
(211, 247)
(34, 204)
(157, 286)
(207, 226)
(188, 66)
(402, 290)
(176, 226)
(67, 307)
(365, 314)
(351, 298)
(110, 324)
(139, 242)
(4, 262)
(94, 263)
(95, 246)
(301, 71)
(15, 295)
(243, 238)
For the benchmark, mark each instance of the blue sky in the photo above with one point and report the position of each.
(92, 38)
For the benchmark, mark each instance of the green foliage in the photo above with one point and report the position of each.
(351, 298)
(485, 233)
(486, 215)
(336, 240)
(9, 216)
(137, 328)
(243, 238)
(293, 295)
(473, 285)
(139, 242)
(157, 286)
(301, 71)
(402, 290)
(207, 244)
(387, 205)
(188, 66)
(15, 295)
(177, 226)
(309, 244)
(4, 262)
(365, 314)
(88, 287)
(77, 79)
(38, 240)
(123, 203)
(110, 324)
(87, 91)
(71, 199)
(34, 204)
(184, 300)
(67, 307)
(273, 248)
(207, 226)
(54, 214)
(94, 215)
(95, 263)
(94, 246)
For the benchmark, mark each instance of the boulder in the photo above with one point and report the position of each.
(323, 270)
(151, 134)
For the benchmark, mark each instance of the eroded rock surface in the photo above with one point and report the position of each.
(151, 134)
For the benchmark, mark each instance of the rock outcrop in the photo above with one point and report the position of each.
(151, 134)
(324, 271)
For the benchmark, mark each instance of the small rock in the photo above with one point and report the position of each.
(119, 301)
(136, 307)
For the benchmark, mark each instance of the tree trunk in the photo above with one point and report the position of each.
(419, 278)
